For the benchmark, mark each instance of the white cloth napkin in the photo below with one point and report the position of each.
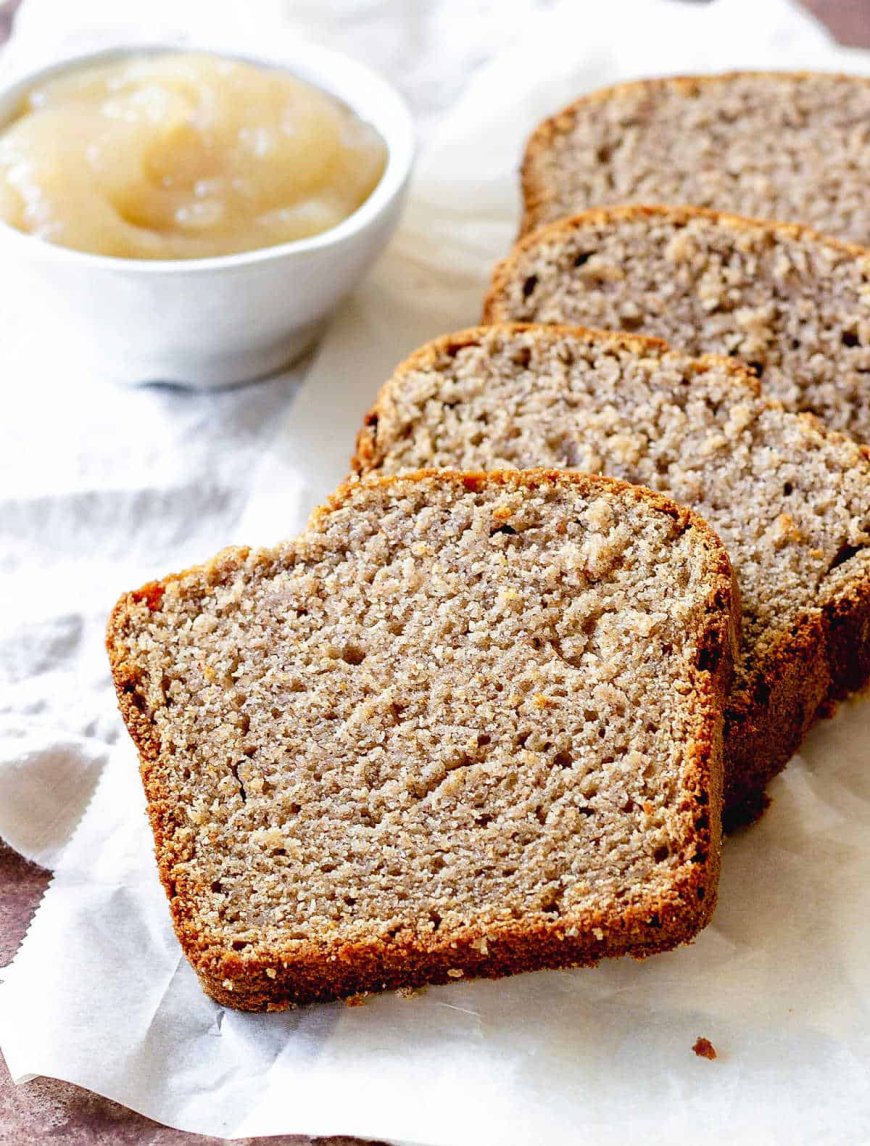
(101, 489)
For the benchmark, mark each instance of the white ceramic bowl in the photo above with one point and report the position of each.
(217, 321)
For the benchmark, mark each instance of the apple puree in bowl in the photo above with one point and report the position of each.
(182, 156)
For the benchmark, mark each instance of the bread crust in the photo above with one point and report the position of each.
(821, 662)
(534, 190)
(825, 658)
(503, 272)
(258, 979)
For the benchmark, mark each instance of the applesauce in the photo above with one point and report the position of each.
(182, 156)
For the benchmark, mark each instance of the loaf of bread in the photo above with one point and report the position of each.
(465, 725)
(792, 304)
(784, 146)
(790, 499)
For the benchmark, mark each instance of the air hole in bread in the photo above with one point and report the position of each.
(844, 553)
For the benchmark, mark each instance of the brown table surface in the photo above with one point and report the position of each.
(45, 1108)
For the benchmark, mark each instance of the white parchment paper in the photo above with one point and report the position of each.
(102, 489)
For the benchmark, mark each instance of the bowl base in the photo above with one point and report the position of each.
(217, 371)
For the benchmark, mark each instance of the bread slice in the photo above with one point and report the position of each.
(776, 145)
(790, 500)
(788, 302)
(465, 725)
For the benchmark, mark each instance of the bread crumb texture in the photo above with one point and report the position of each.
(465, 725)
(790, 500)
(791, 304)
(770, 145)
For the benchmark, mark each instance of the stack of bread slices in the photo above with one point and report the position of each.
(601, 563)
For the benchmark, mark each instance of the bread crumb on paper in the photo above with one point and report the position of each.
(409, 992)
(703, 1048)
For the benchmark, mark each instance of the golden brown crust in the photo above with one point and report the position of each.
(820, 662)
(504, 271)
(257, 980)
(534, 191)
(324, 975)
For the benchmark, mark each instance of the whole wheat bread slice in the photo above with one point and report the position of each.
(465, 725)
(788, 302)
(775, 145)
(790, 499)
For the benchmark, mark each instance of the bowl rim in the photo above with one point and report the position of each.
(309, 62)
